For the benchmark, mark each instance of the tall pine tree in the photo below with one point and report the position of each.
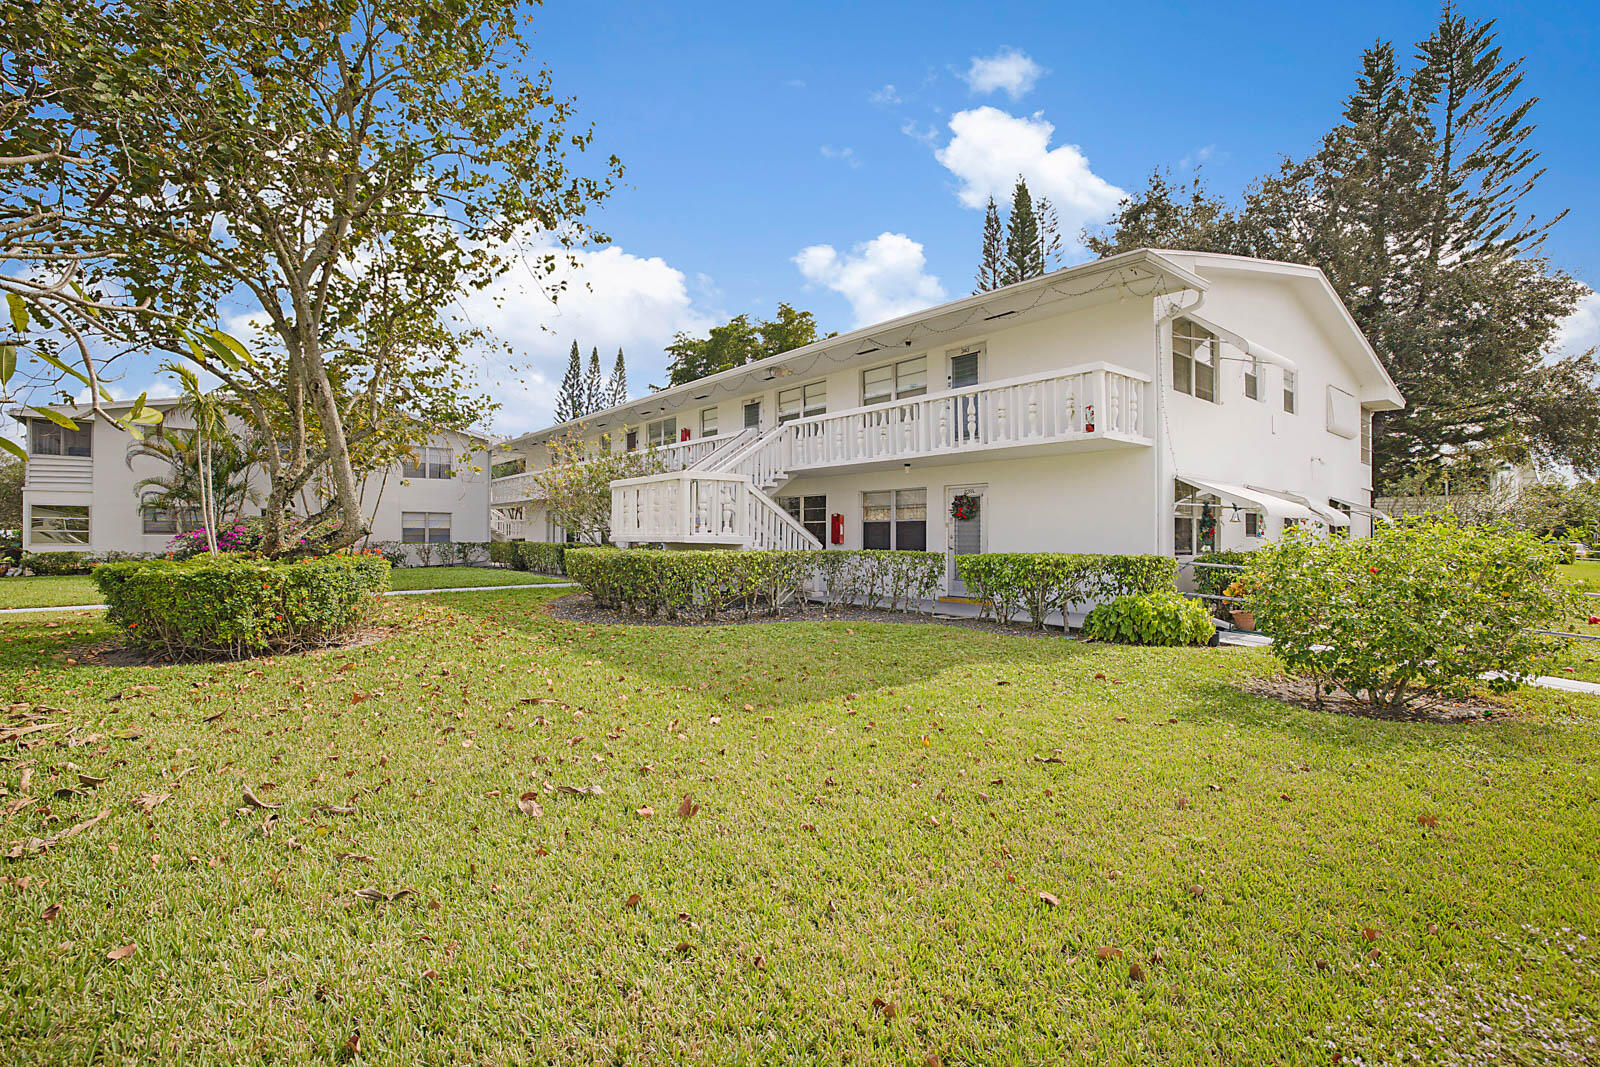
(1413, 206)
(991, 261)
(594, 384)
(572, 402)
(617, 387)
(1024, 256)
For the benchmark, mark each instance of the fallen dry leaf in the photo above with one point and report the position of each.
(49, 914)
(1197, 891)
(645, 812)
(1108, 952)
(1050, 899)
(688, 807)
(1135, 972)
(378, 896)
(528, 804)
(633, 900)
(886, 1008)
(89, 781)
(1429, 821)
(148, 802)
(122, 952)
(254, 801)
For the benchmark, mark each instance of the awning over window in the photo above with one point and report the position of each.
(1362, 509)
(1273, 504)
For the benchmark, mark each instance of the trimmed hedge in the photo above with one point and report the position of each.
(234, 606)
(56, 563)
(1040, 583)
(539, 557)
(658, 581)
(1163, 617)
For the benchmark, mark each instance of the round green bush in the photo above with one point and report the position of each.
(1163, 617)
(233, 606)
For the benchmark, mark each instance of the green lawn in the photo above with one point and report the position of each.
(880, 809)
(78, 589)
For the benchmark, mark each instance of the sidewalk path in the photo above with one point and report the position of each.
(392, 592)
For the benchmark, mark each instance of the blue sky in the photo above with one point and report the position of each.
(754, 132)
(833, 155)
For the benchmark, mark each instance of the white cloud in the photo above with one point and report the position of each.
(614, 298)
(989, 148)
(1008, 71)
(847, 155)
(886, 96)
(882, 278)
(1580, 331)
(928, 135)
(1203, 154)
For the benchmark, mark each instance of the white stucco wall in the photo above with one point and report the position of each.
(104, 482)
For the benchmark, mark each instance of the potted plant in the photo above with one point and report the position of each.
(1242, 618)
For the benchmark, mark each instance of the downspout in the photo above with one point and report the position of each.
(1159, 384)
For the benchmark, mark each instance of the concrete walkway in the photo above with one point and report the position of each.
(392, 592)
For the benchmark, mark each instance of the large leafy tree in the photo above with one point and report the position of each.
(737, 342)
(343, 171)
(1414, 207)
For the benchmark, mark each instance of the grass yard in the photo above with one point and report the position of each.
(78, 589)
(882, 810)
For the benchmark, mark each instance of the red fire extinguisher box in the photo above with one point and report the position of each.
(836, 529)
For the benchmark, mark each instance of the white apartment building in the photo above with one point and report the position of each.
(79, 492)
(1155, 401)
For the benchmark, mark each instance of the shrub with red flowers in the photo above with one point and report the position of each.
(1423, 611)
(249, 535)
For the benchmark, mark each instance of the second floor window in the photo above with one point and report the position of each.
(895, 381)
(802, 401)
(1291, 387)
(662, 432)
(752, 415)
(1366, 438)
(1194, 360)
(48, 439)
(1252, 379)
(430, 462)
(708, 422)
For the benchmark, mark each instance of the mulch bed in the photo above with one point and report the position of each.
(580, 607)
(1295, 691)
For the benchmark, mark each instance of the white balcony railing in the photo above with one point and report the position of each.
(680, 455)
(701, 508)
(1096, 401)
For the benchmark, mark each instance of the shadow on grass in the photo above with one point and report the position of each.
(767, 664)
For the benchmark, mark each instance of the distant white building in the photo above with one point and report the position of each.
(1156, 401)
(78, 494)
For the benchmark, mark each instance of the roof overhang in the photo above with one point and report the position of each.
(1378, 391)
(1142, 272)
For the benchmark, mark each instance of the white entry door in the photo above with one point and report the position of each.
(964, 536)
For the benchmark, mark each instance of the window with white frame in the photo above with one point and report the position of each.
(1291, 389)
(894, 381)
(1254, 524)
(1344, 509)
(48, 439)
(810, 512)
(662, 432)
(802, 401)
(895, 519)
(752, 414)
(1366, 438)
(428, 462)
(58, 524)
(1252, 379)
(1194, 360)
(425, 527)
(708, 422)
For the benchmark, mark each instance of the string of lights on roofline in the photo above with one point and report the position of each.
(1125, 278)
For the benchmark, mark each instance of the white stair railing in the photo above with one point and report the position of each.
(773, 528)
